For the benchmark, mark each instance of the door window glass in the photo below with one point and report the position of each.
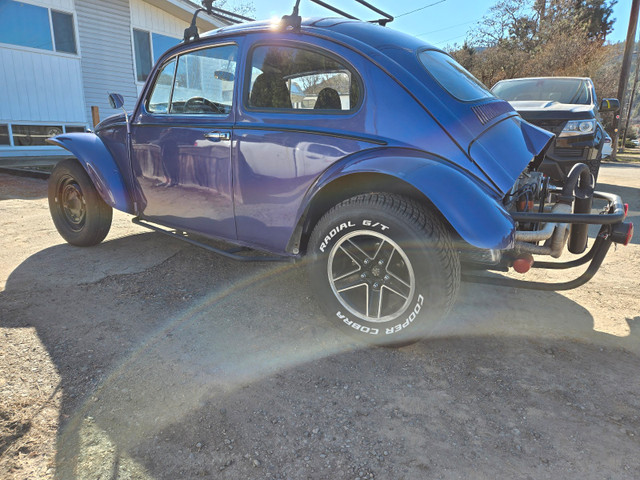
(204, 81)
(161, 93)
(299, 79)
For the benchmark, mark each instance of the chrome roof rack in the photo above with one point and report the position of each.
(381, 21)
(191, 33)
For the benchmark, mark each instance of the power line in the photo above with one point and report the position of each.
(454, 38)
(418, 9)
(446, 28)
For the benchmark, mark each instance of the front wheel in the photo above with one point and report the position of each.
(80, 215)
(384, 268)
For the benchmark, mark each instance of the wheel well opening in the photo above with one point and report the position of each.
(350, 186)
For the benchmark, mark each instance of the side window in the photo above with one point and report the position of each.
(288, 78)
(204, 81)
(161, 93)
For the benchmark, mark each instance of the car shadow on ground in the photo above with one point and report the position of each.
(204, 367)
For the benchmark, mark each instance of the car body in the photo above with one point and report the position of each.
(567, 107)
(364, 149)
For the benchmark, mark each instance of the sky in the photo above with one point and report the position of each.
(441, 23)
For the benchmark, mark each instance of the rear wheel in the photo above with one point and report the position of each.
(80, 215)
(384, 268)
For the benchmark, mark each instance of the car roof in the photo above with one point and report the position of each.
(372, 34)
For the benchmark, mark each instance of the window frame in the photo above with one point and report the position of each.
(53, 50)
(355, 77)
(148, 92)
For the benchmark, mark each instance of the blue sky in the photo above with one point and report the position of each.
(444, 22)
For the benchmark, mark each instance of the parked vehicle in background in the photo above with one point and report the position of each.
(368, 151)
(567, 107)
(606, 148)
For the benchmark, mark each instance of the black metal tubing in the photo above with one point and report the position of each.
(383, 21)
(573, 263)
(225, 253)
(236, 15)
(598, 256)
(334, 9)
(616, 214)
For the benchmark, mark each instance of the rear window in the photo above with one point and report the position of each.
(453, 77)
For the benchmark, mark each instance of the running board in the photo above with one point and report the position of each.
(232, 253)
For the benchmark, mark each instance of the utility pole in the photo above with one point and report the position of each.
(624, 72)
(633, 96)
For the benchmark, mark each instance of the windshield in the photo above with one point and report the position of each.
(562, 90)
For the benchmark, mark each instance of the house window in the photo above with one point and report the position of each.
(25, 25)
(74, 129)
(162, 43)
(4, 135)
(29, 25)
(63, 33)
(34, 135)
(142, 48)
(148, 48)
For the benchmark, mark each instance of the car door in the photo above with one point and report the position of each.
(181, 142)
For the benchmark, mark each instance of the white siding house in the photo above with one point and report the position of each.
(58, 58)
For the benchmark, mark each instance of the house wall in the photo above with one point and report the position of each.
(107, 63)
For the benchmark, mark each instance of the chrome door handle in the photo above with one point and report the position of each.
(217, 136)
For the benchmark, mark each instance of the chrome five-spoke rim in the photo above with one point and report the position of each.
(371, 276)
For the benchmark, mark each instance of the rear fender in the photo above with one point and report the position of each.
(473, 210)
(100, 166)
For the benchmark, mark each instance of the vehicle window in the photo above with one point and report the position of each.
(161, 93)
(453, 77)
(204, 81)
(562, 90)
(298, 79)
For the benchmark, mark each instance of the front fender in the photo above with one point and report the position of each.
(100, 166)
(473, 210)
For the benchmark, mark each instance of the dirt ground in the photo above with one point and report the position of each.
(145, 358)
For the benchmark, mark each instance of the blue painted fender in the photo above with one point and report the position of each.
(472, 209)
(100, 166)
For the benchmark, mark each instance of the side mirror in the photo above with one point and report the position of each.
(224, 75)
(609, 105)
(116, 101)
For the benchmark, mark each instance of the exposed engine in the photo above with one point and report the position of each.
(533, 193)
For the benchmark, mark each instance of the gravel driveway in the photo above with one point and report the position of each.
(145, 358)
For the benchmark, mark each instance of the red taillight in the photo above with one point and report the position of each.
(523, 264)
(626, 209)
(622, 233)
(629, 235)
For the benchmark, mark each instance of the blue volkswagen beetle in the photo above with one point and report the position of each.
(369, 152)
